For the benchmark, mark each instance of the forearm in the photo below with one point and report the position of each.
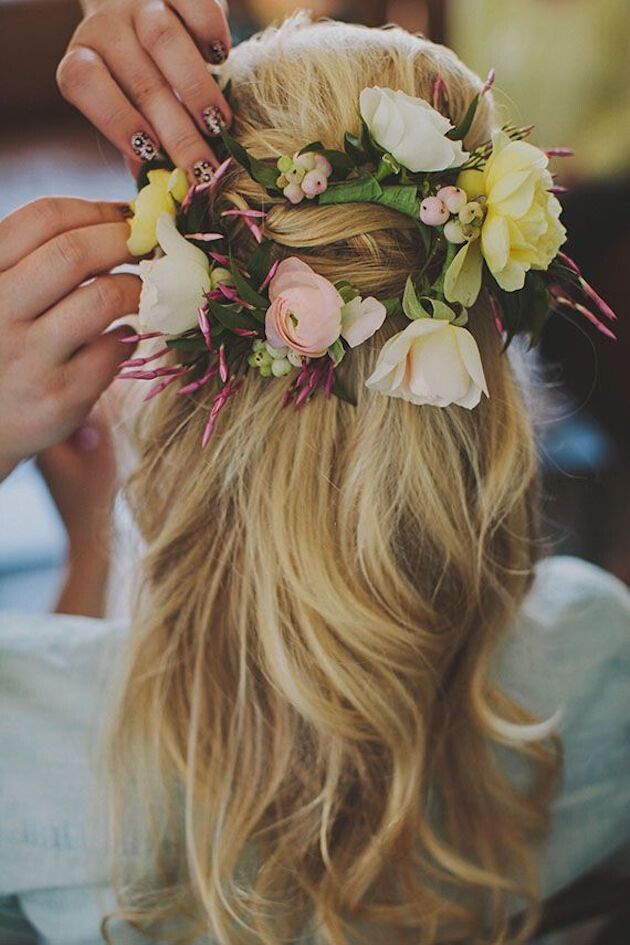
(84, 590)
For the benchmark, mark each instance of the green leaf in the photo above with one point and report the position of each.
(195, 343)
(337, 352)
(460, 131)
(363, 189)
(259, 263)
(412, 307)
(264, 174)
(196, 219)
(244, 289)
(353, 148)
(525, 312)
(233, 316)
(341, 163)
(339, 391)
(439, 309)
(403, 198)
(346, 291)
(393, 306)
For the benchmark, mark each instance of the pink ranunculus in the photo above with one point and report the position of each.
(305, 310)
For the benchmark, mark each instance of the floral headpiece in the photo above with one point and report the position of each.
(489, 221)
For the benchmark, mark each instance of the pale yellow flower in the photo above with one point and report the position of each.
(156, 198)
(521, 229)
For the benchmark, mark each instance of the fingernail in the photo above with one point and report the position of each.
(217, 53)
(125, 210)
(87, 439)
(143, 146)
(203, 172)
(213, 120)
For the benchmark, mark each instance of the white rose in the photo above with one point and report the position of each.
(431, 362)
(174, 285)
(411, 130)
(360, 318)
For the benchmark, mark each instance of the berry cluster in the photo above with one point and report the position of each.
(303, 175)
(461, 218)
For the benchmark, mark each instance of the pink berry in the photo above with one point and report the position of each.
(433, 212)
(294, 193)
(453, 198)
(306, 161)
(323, 164)
(314, 183)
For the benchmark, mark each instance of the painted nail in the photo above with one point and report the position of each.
(203, 172)
(144, 146)
(213, 120)
(125, 210)
(217, 53)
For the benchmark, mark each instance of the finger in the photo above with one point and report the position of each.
(86, 83)
(178, 59)
(139, 78)
(207, 21)
(94, 367)
(85, 314)
(55, 269)
(33, 225)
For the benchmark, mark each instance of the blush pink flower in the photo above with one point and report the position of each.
(305, 310)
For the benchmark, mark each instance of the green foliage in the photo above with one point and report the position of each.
(337, 352)
(233, 316)
(339, 391)
(525, 312)
(366, 189)
(191, 343)
(393, 306)
(244, 289)
(411, 304)
(260, 262)
(341, 163)
(264, 174)
(460, 131)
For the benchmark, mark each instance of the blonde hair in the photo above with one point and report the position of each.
(309, 724)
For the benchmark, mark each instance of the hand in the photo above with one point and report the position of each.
(81, 475)
(137, 69)
(55, 361)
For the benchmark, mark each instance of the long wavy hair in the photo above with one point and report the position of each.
(308, 744)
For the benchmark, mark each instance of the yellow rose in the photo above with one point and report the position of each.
(158, 197)
(521, 229)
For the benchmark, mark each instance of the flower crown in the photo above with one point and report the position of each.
(489, 221)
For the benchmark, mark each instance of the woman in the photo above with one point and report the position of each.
(337, 700)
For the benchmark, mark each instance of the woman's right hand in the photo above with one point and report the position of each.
(138, 70)
(55, 360)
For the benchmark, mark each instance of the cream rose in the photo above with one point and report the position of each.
(521, 229)
(410, 130)
(431, 362)
(305, 310)
(173, 286)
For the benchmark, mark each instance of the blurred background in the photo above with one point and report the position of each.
(566, 64)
